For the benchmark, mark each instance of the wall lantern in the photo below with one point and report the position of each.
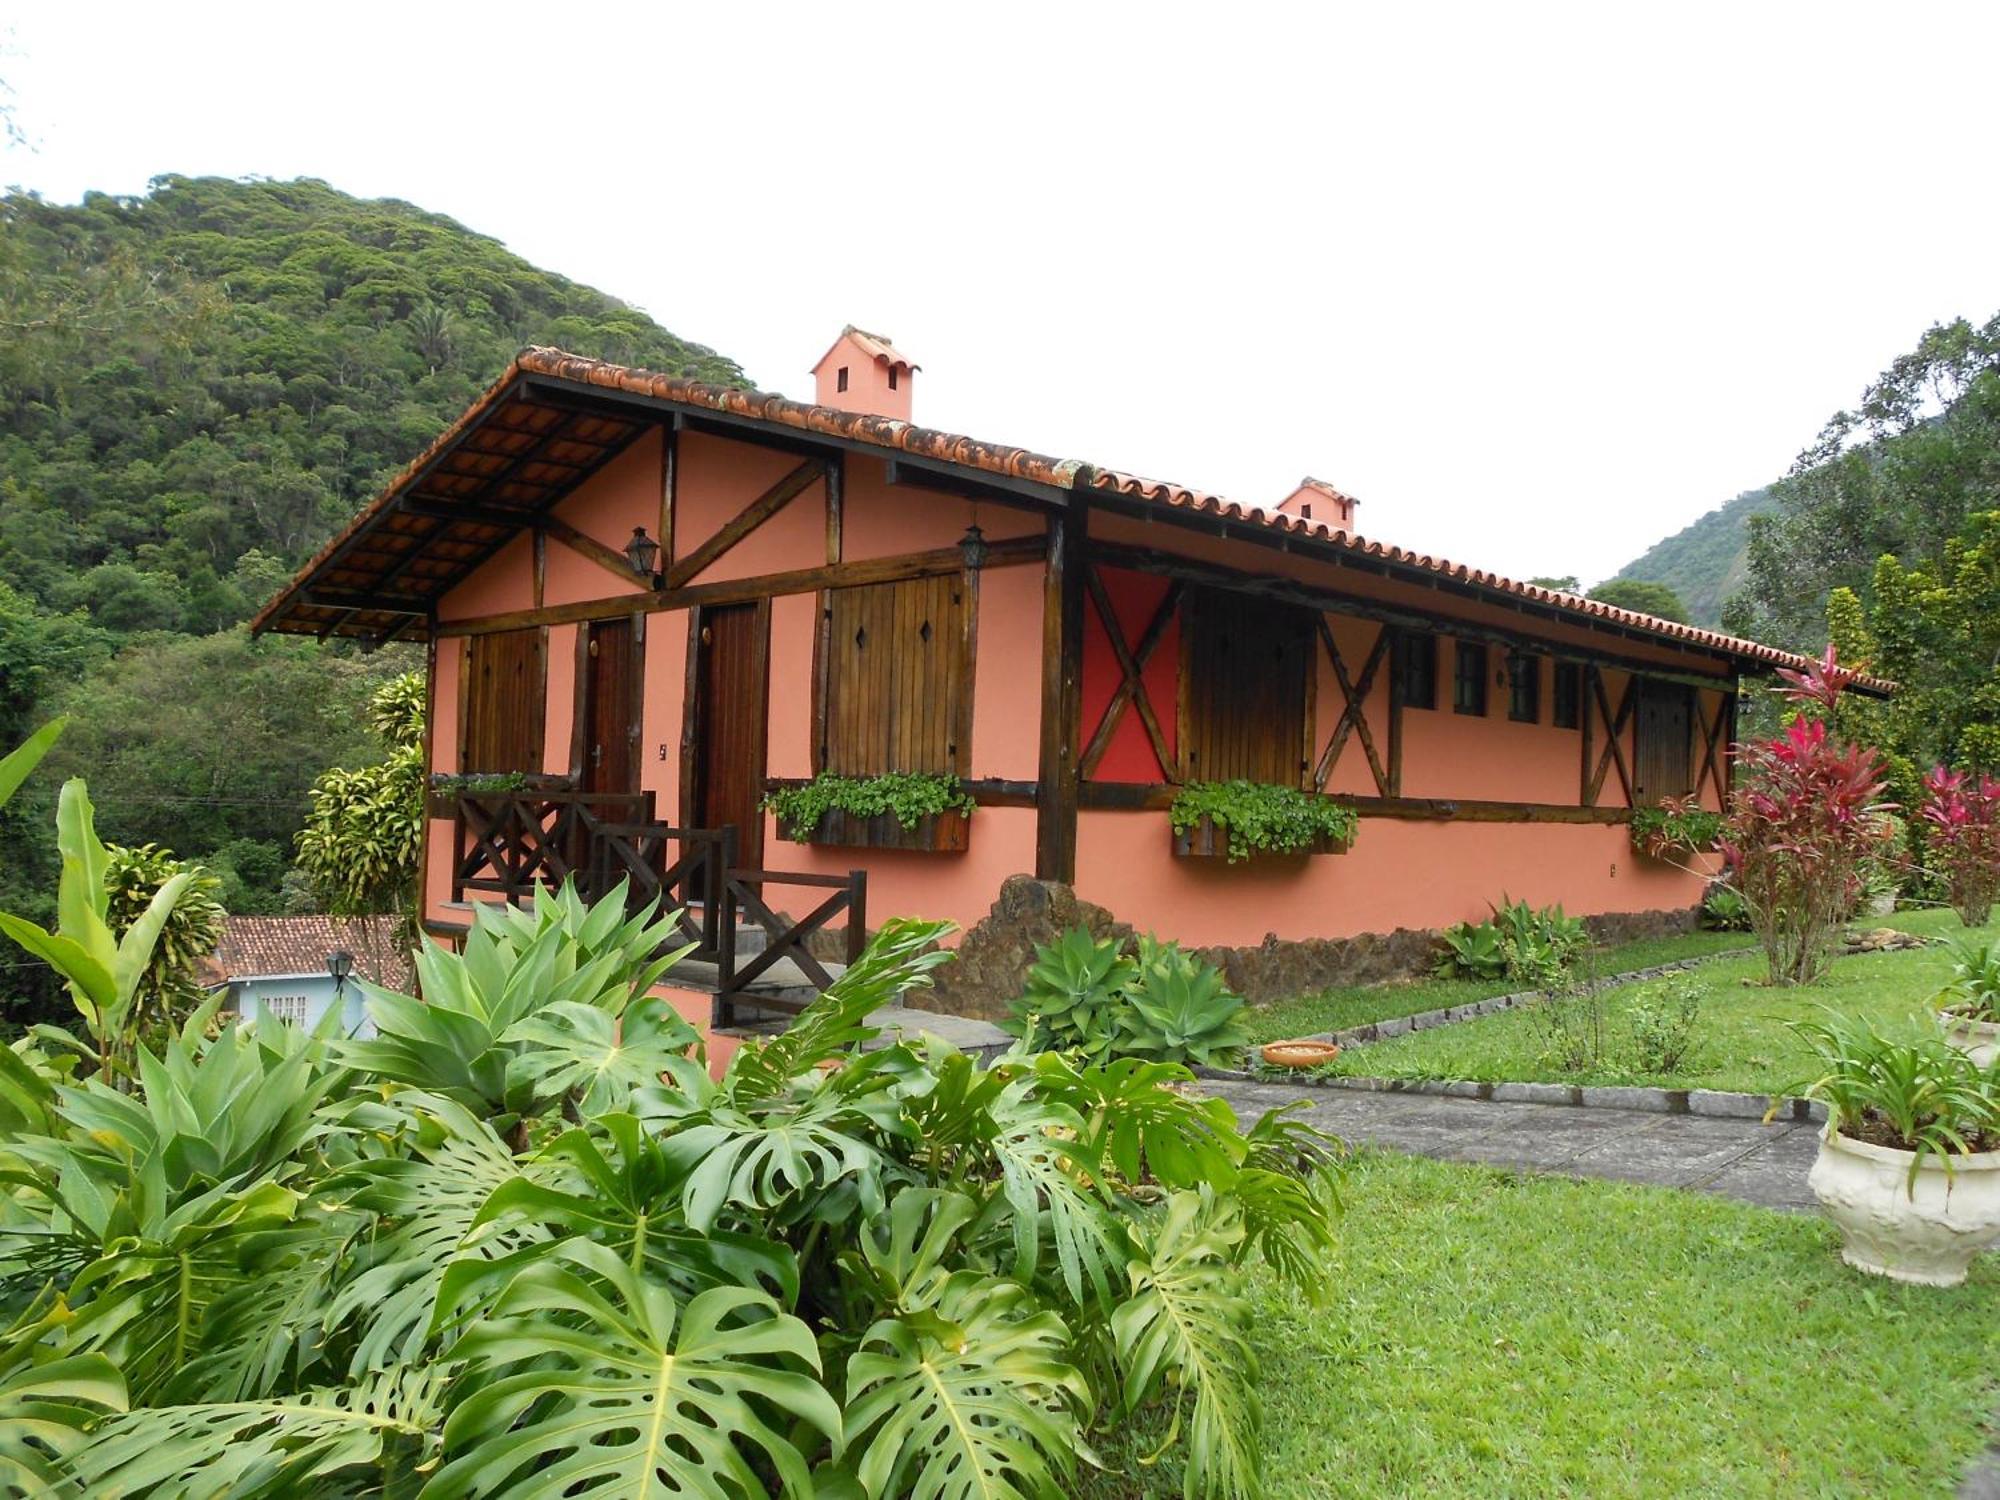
(340, 964)
(973, 547)
(642, 552)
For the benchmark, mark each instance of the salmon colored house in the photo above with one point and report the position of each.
(647, 601)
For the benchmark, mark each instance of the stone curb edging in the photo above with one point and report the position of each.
(1715, 1103)
(1472, 1010)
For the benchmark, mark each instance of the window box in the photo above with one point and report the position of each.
(1206, 839)
(939, 833)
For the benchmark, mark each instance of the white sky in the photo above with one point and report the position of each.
(1539, 284)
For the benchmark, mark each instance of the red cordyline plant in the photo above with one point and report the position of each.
(1804, 824)
(1964, 815)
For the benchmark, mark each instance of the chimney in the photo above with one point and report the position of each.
(863, 372)
(1316, 500)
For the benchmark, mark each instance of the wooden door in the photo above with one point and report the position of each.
(1245, 666)
(608, 715)
(506, 681)
(1661, 764)
(729, 684)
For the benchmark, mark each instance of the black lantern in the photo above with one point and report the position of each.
(340, 964)
(972, 546)
(642, 552)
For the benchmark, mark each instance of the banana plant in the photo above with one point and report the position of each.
(105, 973)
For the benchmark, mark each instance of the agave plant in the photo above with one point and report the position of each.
(527, 1246)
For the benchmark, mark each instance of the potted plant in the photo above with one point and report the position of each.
(1240, 820)
(1969, 1006)
(896, 810)
(1677, 826)
(1909, 1162)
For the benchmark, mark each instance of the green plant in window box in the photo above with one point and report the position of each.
(907, 796)
(486, 783)
(1259, 818)
(1678, 825)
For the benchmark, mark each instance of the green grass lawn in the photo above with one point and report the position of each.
(1742, 1041)
(1495, 1334)
(1357, 1005)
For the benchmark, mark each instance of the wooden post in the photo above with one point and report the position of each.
(1062, 694)
(669, 478)
(836, 483)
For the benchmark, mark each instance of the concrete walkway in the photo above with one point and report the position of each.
(1743, 1159)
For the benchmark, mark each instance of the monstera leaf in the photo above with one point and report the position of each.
(384, 1428)
(587, 1374)
(596, 1058)
(972, 1399)
(1185, 1326)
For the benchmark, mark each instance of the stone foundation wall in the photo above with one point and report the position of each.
(993, 957)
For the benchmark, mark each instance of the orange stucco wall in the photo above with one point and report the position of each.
(1401, 872)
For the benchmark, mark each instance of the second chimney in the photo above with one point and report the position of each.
(862, 372)
(1316, 500)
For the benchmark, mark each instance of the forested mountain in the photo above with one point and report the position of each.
(1707, 561)
(197, 386)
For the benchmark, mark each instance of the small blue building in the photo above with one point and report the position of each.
(296, 969)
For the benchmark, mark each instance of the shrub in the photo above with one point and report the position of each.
(1085, 996)
(168, 991)
(1973, 991)
(1569, 1019)
(1665, 1018)
(1964, 815)
(1803, 827)
(1723, 908)
(908, 796)
(1536, 945)
(1678, 825)
(1261, 818)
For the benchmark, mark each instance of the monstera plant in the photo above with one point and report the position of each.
(524, 1244)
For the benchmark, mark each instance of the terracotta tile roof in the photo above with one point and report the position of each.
(877, 347)
(256, 947)
(897, 436)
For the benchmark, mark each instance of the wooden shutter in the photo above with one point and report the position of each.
(895, 678)
(505, 679)
(1662, 765)
(1244, 669)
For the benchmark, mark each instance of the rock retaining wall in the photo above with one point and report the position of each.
(993, 957)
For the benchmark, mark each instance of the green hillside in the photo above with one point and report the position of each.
(197, 387)
(1705, 562)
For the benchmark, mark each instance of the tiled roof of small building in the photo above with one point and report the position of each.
(261, 947)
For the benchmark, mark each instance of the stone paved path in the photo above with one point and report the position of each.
(1743, 1159)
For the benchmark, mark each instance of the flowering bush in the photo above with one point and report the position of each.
(1965, 839)
(1804, 828)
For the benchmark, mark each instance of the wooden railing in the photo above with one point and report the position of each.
(511, 845)
(743, 892)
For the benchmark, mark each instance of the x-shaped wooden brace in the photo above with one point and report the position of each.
(1614, 738)
(1353, 717)
(1132, 687)
(1714, 752)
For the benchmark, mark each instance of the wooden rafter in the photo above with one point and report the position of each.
(1353, 714)
(1614, 734)
(1131, 688)
(747, 520)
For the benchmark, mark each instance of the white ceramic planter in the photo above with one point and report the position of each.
(1928, 1236)
(1978, 1040)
